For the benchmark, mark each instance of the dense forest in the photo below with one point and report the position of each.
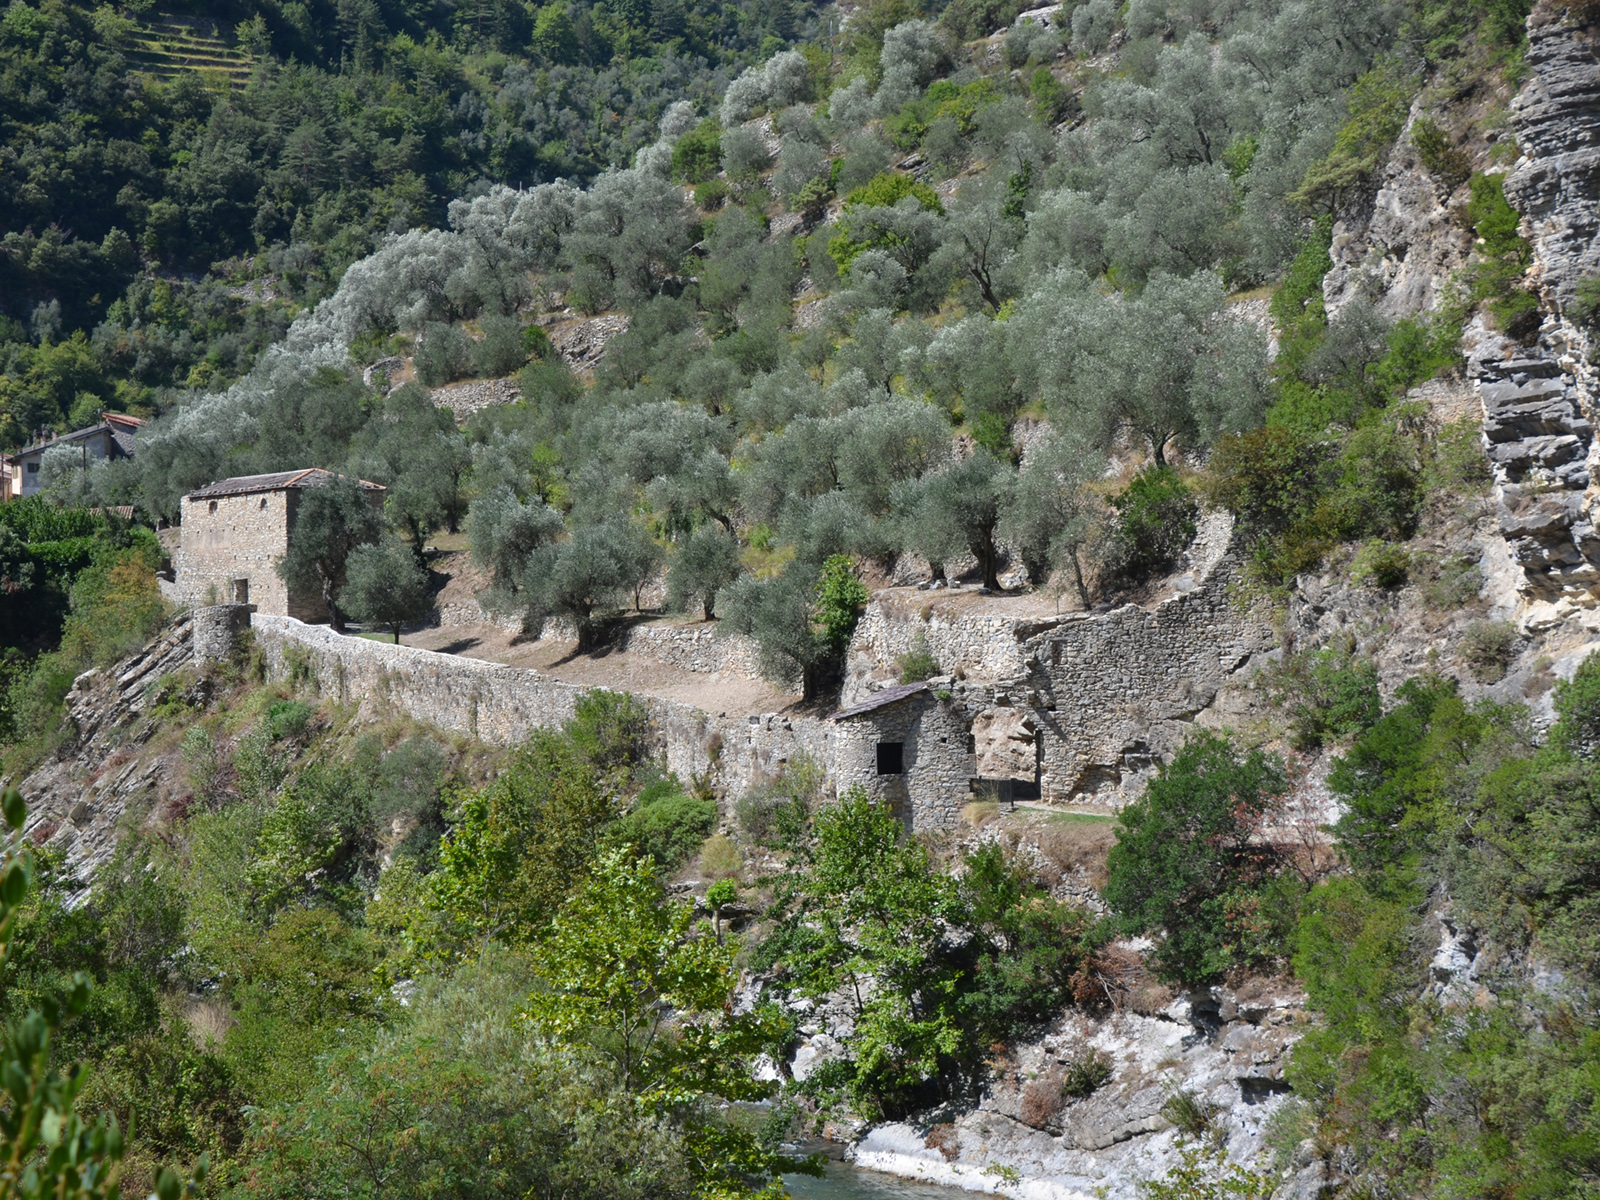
(162, 224)
(896, 287)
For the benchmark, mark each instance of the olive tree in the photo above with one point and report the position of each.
(1049, 515)
(331, 521)
(385, 586)
(592, 570)
(1172, 363)
(802, 620)
(708, 563)
(956, 509)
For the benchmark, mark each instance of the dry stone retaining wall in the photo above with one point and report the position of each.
(464, 399)
(499, 704)
(1117, 693)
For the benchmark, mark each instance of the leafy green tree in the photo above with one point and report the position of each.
(1189, 865)
(697, 155)
(627, 974)
(384, 586)
(708, 562)
(515, 846)
(936, 969)
(435, 1104)
(48, 1148)
(330, 523)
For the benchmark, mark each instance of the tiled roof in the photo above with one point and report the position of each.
(888, 695)
(244, 485)
(120, 426)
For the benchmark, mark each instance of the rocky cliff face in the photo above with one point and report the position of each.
(1398, 250)
(1556, 118)
(78, 799)
(1540, 400)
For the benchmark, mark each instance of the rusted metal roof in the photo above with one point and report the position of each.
(889, 695)
(278, 481)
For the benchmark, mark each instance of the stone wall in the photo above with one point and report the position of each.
(694, 648)
(240, 537)
(499, 704)
(1119, 692)
(464, 399)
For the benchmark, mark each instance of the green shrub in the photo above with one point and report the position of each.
(1330, 695)
(1381, 564)
(1497, 278)
(1378, 102)
(1447, 162)
(697, 155)
(670, 829)
(1190, 1114)
(711, 195)
(1489, 647)
(1051, 100)
(288, 719)
(1453, 582)
(884, 190)
(991, 431)
(1585, 307)
(1156, 522)
(918, 662)
(1086, 1074)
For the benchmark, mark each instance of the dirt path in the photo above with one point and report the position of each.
(722, 693)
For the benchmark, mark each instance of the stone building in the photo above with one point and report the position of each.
(235, 531)
(908, 745)
(111, 438)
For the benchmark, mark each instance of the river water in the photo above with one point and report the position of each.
(844, 1182)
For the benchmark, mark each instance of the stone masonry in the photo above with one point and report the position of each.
(234, 533)
(499, 704)
(930, 728)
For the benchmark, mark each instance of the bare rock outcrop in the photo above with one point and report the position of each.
(77, 798)
(1556, 116)
(1399, 250)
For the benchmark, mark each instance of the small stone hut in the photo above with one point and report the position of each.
(909, 746)
(235, 531)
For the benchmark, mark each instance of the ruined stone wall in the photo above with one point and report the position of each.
(241, 539)
(1117, 692)
(499, 704)
(978, 645)
(464, 399)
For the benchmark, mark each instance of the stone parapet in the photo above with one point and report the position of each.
(218, 629)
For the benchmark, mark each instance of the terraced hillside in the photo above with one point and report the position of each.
(170, 45)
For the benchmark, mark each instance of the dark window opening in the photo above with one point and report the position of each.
(891, 758)
(213, 507)
(241, 591)
(263, 504)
